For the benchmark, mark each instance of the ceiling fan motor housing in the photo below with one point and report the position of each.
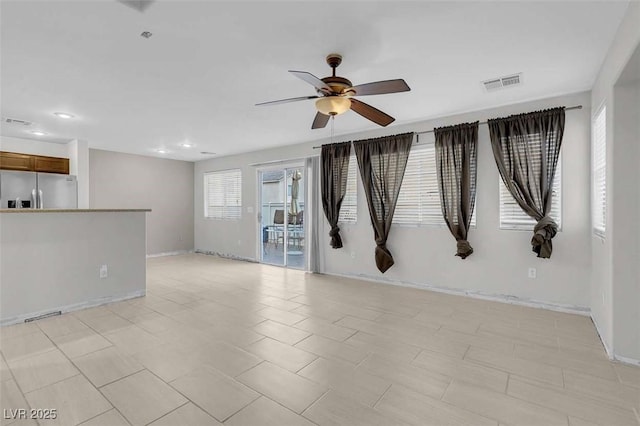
(337, 84)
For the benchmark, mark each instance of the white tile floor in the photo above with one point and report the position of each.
(219, 341)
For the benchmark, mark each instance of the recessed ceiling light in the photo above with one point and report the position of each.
(162, 151)
(38, 133)
(65, 115)
(186, 145)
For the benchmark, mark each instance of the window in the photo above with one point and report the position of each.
(599, 172)
(349, 208)
(223, 194)
(513, 217)
(419, 198)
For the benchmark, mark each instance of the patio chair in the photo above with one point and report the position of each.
(278, 229)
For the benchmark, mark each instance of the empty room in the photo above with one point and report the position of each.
(275, 213)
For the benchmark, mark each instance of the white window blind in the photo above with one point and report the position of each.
(513, 217)
(599, 172)
(349, 208)
(223, 194)
(419, 198)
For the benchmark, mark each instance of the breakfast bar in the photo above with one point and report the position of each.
(59, 260)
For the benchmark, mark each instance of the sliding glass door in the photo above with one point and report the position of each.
(282, 224)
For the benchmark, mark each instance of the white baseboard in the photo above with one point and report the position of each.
(73, 307)
(502, 298)
(626, 360)
(170, 253)
(226, 255)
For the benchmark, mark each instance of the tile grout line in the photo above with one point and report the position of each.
(381, 396)
(306, 365)
(445, 391)
(236, 412)
(98, 415)
(16, 383)
(55, 347)
(189, 400)
(80, 372)
(314, 402)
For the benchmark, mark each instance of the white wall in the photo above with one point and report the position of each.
(618, 184)
(76, 151)
(79, 166)
(425, 256)
(120, 180)
(33, 147)
(51, 261)
(626, 231)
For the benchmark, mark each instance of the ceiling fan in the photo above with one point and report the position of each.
(336, 95)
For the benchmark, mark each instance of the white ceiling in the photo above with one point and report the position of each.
(206, 65)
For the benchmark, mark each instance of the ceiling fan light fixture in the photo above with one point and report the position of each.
(333, 105)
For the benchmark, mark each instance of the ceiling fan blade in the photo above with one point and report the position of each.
(312, 80)
(371, 113)
(320, 121)
(381, 87)
(284, 101)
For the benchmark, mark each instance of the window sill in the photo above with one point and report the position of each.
(522, 229)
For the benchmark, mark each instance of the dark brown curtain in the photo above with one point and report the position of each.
(456, 166)
(526, 149)
(334, 168)
(382, 162)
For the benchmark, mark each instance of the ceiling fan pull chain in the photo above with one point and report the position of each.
(333, 117)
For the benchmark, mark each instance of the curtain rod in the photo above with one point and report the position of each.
(482, 122)
(274, 162)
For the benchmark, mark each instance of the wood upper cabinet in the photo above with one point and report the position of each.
(14, 161)
(51, 165)
(33, 163)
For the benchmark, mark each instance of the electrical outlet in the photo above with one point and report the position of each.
(104, 271)
(532, 272)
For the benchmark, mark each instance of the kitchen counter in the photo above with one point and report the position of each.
(70, 210)
(60, 260)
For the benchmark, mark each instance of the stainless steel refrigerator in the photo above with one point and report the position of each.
(38, 190)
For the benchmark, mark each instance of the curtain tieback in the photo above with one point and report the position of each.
(464, 249)
(384, 259)
(381, 243)
(336, 241)
(543, 232)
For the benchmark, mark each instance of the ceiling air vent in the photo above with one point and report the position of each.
(16, 121)
(502, 82)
